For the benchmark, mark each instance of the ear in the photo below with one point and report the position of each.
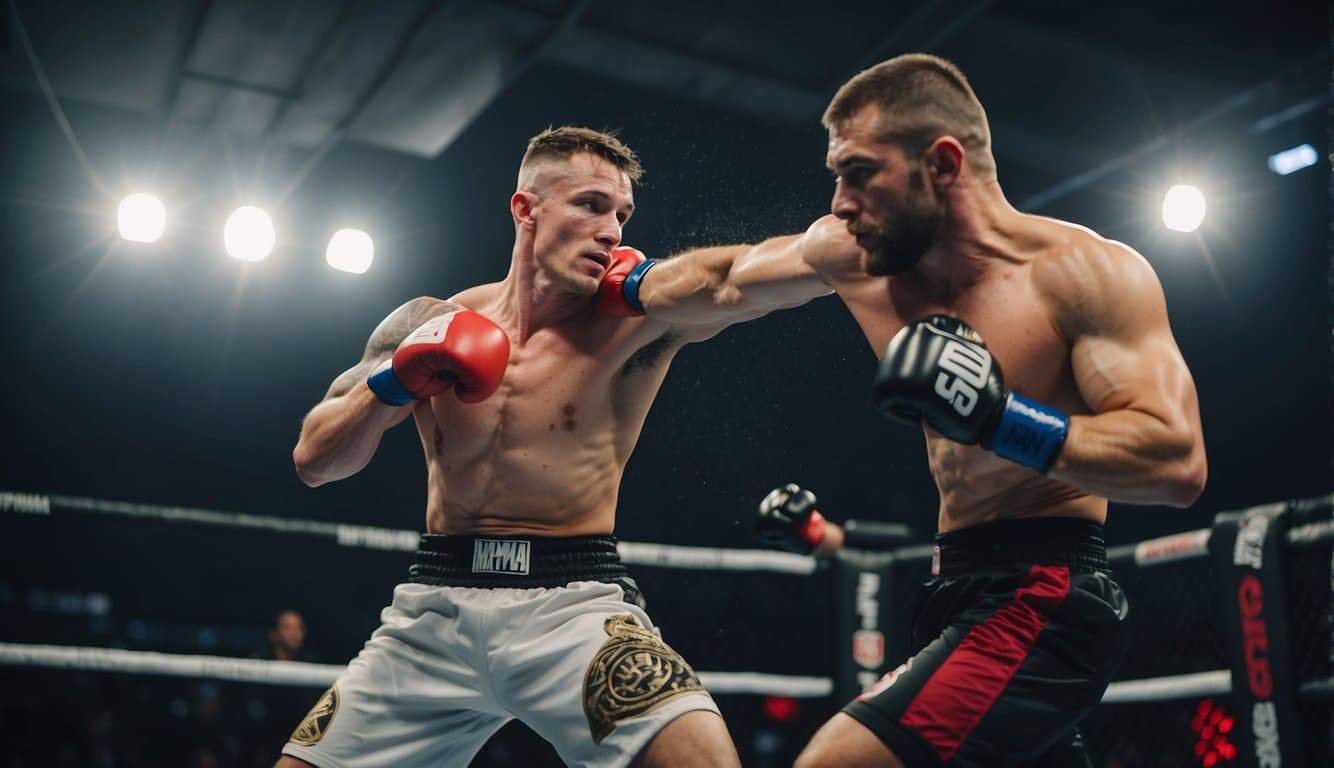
(522, 207)
(944, 161)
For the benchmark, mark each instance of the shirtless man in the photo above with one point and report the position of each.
(1017, 637)
(528, 396)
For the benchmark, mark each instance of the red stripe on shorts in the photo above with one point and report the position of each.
(964, 687)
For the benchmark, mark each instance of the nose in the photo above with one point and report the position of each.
(844, 206)
(608, 236)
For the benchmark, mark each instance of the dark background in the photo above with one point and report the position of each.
(169, 373)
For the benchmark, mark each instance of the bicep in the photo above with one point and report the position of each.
(1123, 355)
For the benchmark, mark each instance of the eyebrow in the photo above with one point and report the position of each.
(850, 160)
(629, 207)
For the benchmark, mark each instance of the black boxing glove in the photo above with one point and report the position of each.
(787, 518)
(938, 372)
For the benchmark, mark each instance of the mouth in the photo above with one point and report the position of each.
(601, 258)
(866, 242)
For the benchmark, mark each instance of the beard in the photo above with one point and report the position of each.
(902, 238)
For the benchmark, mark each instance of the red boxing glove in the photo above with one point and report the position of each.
(463, 350)
(618, 293)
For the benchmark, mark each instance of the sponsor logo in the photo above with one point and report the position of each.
(971, 366)
(1255, 646)
(885, 682)
(1250, 540)
(500, 556)
(1169, 548)
(868, 648)
(1264, 722)
(430, 332)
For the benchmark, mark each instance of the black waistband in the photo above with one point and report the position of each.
(511, 561)
(1068, 541)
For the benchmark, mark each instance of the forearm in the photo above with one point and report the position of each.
(713, 285)
(1133, 457)
(340, 435)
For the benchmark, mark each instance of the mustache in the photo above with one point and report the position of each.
(857, 230)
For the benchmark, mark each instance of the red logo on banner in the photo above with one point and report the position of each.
(868, 648)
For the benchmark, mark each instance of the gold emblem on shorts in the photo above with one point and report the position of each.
(318, 719)
(632, 673)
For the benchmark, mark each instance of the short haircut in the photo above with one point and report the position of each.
(566, 141)
(921, 98)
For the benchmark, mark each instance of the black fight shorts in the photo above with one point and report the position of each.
(1017, 636)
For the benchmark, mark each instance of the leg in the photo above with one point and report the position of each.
(697, 739)
(588, 673)
(845, 742)
(413, 696)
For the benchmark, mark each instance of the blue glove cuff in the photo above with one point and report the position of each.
(630, 288)
(386, 387)
(1029, 433)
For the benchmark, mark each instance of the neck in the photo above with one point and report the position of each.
(978, 234)
(530, 300)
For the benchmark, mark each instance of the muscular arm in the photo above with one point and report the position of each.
(729, 284)
(340, 434)
(1143, 444)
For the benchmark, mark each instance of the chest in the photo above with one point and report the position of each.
(1006, 311)
(557, 386)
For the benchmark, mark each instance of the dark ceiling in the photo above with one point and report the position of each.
(1068, 87)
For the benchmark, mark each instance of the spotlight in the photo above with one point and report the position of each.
(141, 218)
(248, 234)
(1183, 208)
(1291, 160)
(350, 250)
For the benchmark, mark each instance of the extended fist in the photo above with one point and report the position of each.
(618, 293)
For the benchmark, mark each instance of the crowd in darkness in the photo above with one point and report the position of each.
(68, 718)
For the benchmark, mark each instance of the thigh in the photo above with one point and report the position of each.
(588, 672)
(414, 695)
(697, 739)
(846, 743)
(1061, 679)
(1004, 682)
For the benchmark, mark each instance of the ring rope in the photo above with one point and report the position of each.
(304, 674)
(370, 537)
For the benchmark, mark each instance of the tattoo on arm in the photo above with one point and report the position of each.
(386, 337)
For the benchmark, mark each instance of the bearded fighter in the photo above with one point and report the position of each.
(1037, 359)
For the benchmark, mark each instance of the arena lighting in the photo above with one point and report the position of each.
(248, 234)
(141, 218)
(1183, 208)
(1291, 160)
(350, 250)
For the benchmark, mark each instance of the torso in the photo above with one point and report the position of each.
(544, 454)
(1005, 307)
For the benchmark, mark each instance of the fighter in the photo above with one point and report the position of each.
(528, 396)
(1038, 361)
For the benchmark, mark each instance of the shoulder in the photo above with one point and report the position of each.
(476, 296)
(1086, 278)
